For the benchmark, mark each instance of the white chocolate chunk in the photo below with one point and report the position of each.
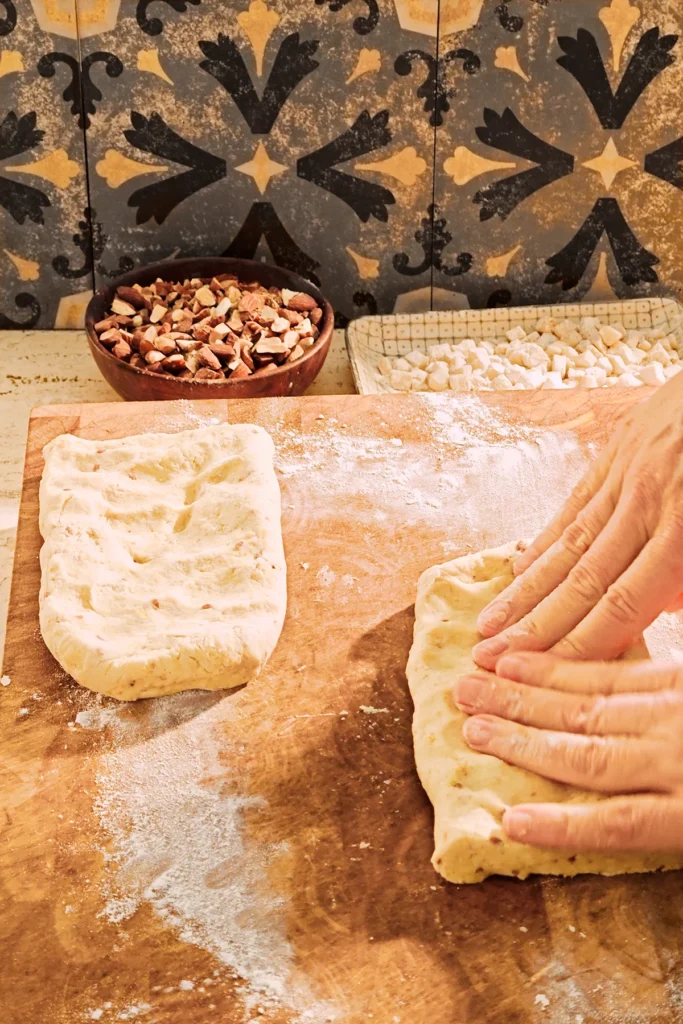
(652, 373)
(418, 359)
(401, 380)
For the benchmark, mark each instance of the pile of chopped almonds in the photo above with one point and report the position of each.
(209, 328)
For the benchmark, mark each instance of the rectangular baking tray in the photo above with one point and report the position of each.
(395, 334)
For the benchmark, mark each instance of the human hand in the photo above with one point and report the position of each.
(612, 560)
(612, 727)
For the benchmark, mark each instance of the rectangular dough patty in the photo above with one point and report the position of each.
(469, 790)
(162, 562)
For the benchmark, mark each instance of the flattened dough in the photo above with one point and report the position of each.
(162, 563)
(470, 791)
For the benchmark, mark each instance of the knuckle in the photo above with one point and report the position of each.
(672, 528)
(591, 760)
(595, 713)
(585, 716)
(577, 537)
(586, 582)
(529, 631)
(582, 492)
(620, 825)
(513, 705)
(573, 648)
(622, 604)
(645, 489)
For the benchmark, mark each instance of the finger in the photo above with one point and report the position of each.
(625, 714)
(585, 579)
(580, 496)
(550, 569)
(626, 823)
(590, 677)
(632, 603)
(605, 764)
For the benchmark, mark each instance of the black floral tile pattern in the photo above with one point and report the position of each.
(277, 130)
(43, 190)
(518, 152)
(562, 166)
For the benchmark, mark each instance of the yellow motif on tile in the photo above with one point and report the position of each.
(367, 268)
(465, 165)
(497, 266)
(619, 18)
(58, 17)
(28, 270)
(261, 168)
(417, 16)
(258, 25)
(148, 60)
(116, 169)
(405, 166)
(10, 61)
(420, 300)
(71, 311)
(368, 63)
(601, 290)
(422, 15)
(507, 59)
(458, 15)
(56, 167)
(609, 164)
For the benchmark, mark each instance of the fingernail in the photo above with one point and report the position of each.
(469, 691)
(478, 731)
(493, 620)
(487, 651)
(517, 824)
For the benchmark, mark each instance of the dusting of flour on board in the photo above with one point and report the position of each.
(180, 846)
(497, 479)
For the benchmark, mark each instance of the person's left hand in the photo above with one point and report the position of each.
(612, 727)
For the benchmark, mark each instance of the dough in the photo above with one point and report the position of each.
(470, 791)
(162, 563)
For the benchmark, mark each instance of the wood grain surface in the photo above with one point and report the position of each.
(319, 752)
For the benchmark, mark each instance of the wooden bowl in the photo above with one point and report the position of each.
(138, 385)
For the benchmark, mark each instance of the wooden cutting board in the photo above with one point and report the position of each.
(151, 851)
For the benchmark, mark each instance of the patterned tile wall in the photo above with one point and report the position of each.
(43, 183)
(401, 153)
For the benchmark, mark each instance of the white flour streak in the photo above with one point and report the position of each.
(177, 842)
(325, 576)
(509, 492)
(96, 718)
(664, 638)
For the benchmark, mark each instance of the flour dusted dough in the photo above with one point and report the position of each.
(162, 563)
(470, 791)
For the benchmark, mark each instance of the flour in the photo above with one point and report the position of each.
(664, 638)
(325, 576)
(467, 459)
(96, 718)
(175, 840)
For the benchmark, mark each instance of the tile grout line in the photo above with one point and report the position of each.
(84, 132)
(433, 212)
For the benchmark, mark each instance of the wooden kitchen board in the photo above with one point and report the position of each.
(283, 828)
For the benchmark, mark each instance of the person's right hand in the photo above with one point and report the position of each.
(612, 560)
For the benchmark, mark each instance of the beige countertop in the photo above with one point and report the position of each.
(47, 367)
